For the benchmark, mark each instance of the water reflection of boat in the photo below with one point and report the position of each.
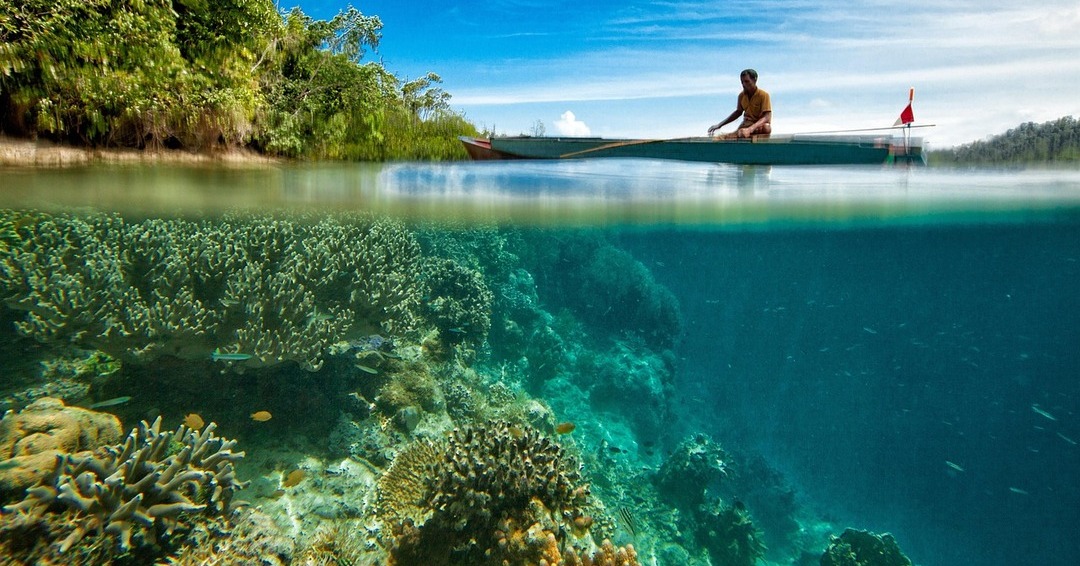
(776, 150)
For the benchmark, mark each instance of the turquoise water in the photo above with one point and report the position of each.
(894, 350)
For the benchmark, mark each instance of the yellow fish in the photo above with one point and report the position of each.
(194, 421)
(294, 478)
(261, 416)
(565, 428)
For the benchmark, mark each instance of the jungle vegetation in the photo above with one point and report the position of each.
(207, 75)
(1057, 141)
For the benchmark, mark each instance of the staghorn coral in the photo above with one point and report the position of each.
(483, 495)
(277, 289)
(133, 499)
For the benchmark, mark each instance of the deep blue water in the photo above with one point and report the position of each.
(862, 360)
(863, 328)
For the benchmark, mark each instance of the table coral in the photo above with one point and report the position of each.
(132, 499)
(274, 289)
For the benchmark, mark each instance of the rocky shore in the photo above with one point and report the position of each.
(19, 152)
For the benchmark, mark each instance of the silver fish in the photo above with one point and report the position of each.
(223, 357)
(111, 402)
(1037, 410)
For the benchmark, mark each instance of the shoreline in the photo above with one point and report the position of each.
(38, 154)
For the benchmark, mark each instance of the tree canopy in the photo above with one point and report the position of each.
(207, 74)
(1057, 141)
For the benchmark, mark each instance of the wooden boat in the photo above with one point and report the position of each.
(802, 149)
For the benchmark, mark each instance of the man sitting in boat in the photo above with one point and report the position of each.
(755, 108)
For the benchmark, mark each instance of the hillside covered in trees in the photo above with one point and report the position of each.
(1050, 142)
(207, 75)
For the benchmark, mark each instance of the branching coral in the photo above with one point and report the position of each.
(459, 302)
(484, 495)
(135, 494)
(274, 289)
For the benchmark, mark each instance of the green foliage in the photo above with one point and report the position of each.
(203, 74)
(1050, 142)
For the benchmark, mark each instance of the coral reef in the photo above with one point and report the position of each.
(458, 302)
(264, 289)
(31, 440)
(729, 536)
(135, 500)
(605, 287)
(485, 495)
(863, 548)
(249, 537)
(697, 464)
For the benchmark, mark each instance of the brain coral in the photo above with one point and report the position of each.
(133, 500)
(483, 495)
(273, 288)
(31, 439)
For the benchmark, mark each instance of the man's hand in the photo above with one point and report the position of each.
(713, 128)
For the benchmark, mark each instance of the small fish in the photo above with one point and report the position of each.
(869, 330)
(954, 466)
(1017, 490)
(261, 416)
(367, 369)
(516, 431)
(628, 520)
(194, 421)
(1041, 412)
(294, 478)
(1066, 439)
(218, 356)
(565, 428)
(111, 402)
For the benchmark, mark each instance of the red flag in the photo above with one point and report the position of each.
(907, 116)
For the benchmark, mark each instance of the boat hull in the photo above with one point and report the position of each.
(786, 150)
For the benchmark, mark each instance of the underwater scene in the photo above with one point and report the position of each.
(586, 362)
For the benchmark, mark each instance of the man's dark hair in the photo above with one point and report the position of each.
(749, 73)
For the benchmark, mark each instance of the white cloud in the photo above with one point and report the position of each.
(569, 125)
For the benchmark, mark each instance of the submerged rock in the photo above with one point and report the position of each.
(31, 439)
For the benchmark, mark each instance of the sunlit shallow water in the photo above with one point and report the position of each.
(900, 343)
(583, 192)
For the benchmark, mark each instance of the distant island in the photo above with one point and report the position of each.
(1057, 141)
(212, 78)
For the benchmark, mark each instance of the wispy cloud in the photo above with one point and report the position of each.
(974, 64)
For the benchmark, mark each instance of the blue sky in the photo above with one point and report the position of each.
(658, 69)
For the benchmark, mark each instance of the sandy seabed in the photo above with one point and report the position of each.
(17, 152)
